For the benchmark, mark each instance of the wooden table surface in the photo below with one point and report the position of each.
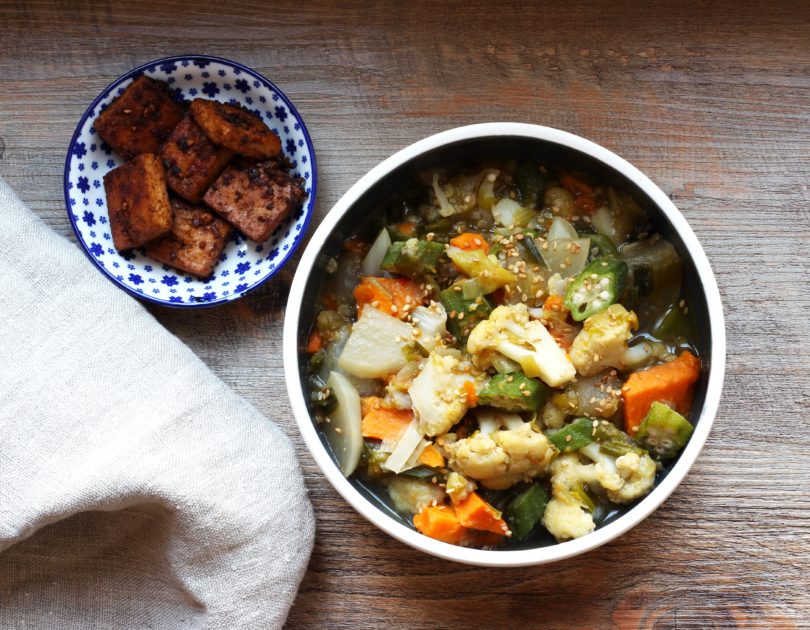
(711, 100)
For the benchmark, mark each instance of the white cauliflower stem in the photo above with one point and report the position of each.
(438, 395)
(602, 342)
(511, 332)
(501, 458)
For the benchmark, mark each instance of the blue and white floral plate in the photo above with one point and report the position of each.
(244, 264)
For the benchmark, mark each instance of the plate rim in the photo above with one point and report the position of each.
(140, 70)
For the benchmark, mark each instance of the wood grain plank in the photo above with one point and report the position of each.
(711, 100)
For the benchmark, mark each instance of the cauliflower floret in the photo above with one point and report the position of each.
(438, 394)
(567, 514)
(459, 487)
(602, 342)
(625, 478)
(500, 459)
(511, 332)
(566, 520)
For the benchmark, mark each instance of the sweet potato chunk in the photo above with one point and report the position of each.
(236, 129)
(139, 120)
(255, 198)
(192, 161)
(137, 201)
(195, 242)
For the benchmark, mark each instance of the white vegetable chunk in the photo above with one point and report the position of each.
(560, 228)
(430, 322)
(343, 429)
(408, 449)
(508, 213)
(376, 346)
(374, 258)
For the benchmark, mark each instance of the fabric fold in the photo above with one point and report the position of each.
(136, 489)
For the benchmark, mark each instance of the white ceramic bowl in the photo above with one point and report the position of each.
(467, 142)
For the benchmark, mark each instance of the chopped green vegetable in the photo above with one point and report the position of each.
(321, 397)
(471, 311)
(599, 285)
(614, 441)
(396, 235)
(601, 246)
(526, 510)
(530, 183)
(664, 432)
(573, 436)
(470, 289)
(580, 492)
(513, 392)
(413, 257)
(420, 472)
(673, 326)
(374, 460)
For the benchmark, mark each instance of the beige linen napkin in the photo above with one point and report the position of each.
(136, 489)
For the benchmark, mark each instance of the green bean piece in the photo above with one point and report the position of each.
(525, 511)
(573, 436)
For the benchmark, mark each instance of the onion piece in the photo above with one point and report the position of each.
(560, 228)
(430, 322)
(344, 427)
(408, 448)
(565, 256)
(374, 258)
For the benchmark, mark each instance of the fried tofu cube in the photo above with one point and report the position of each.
(138, 201)
(255, 198)
(195, 242)
(235, 128)
(192, 161)
(140, 119)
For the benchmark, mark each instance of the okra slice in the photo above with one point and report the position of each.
(463, 314)
(573, 436)
(614, 441)
(598, 286)
(526, 510)
(601, 246)
(664, 432)
(413, 257)
(513, 392)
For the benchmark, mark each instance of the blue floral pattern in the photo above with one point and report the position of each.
(242, 260)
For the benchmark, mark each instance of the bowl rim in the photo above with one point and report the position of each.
(523, 557)
(91, 112)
